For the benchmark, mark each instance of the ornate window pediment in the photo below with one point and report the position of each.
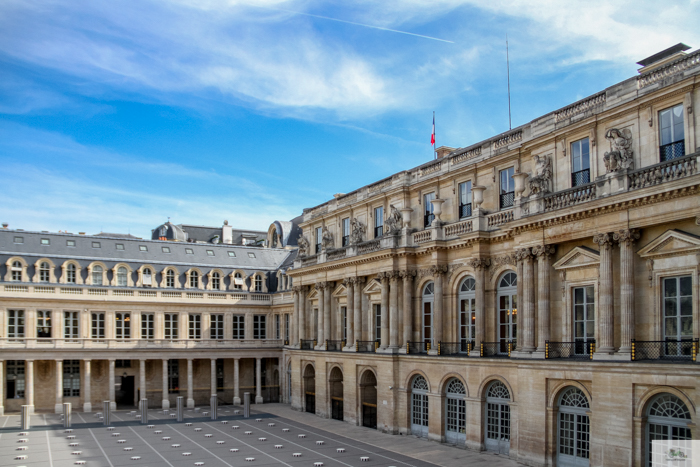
(340, 291)
(671, 243)
(372, 287)
(579, 257)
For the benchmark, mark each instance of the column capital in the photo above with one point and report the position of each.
(349, 281)
(359, 280)
(407, 274)
(394, 275)
(543, 251)
(626, 236)
(437, 270)
(480, 263)
(603, 240)
(523, 254)
(322, 285)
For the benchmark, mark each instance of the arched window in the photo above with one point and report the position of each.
(419, 406)
(668, 419)
(274, 238)
(237, 281)
(17, 271)
(147, 278)
(368, 398)
(71, 274)
(497, 418)
(258, 283)
(97, 275)
(170, 278)
(44, 272)
(507, 311)
(455, 412)
(574, 428)
(427, 315)
(194, 280)
(215, 281)
(121, 277)
(467, 313)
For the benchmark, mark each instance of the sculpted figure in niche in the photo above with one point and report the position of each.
(541, 175)
(303, 245)
(394, 221)
(620, 155)
(357, 230)
(326, 238)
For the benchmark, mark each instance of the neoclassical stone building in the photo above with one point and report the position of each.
(535, 294)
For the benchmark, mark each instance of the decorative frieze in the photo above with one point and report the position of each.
(508, 139)
(579, 107)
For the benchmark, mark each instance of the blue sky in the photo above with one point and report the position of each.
(117, 115)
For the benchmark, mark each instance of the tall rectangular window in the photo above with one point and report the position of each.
(15, 379)
(15, 324)
(319, 239)
(344, 321)
(43, 324)
(259, 327)
(71, 378)
(378, 221)
(465, 199)
(238, 327)
(584, 318)
(97, 326)
(678, 308)
(672, 133)
(171, 325)
(277, 327)
(428, 208)
(173, 376)
(286, 327)
(216, 329)
(195, 326)
(580, 162)
(345, 226)
(378, 323)
(122, 325)
(70, 325)
(507, 188)
(147, 326)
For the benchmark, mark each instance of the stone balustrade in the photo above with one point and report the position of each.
(127, 344)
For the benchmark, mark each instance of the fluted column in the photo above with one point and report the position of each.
(394, 311)
(87, 386)
(384, 336)
(301, 327)
(543, 254)
(328, 290)
(407, 305)
(58, 408)
(212, 376)
(480, 265)
(143, 394)
(29, 384)
(438, 273)
(320, 286)
(626, 239)
(236, 382)
(190, 385)
(350, 313)
(606, 331)
(357, 313)
(526, 321)
(165, 403)
(112, 396)
(258, 381)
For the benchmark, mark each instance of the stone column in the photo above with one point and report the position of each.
(87, 386)
(480, 265)
(190, 387)
(29, 384)
(357, 313)
(213, 376)
(112, 395)
(626, 238)
(394, 312)
(407, 306)
(438, 273)
(293, 339)
(58, 408)
(350, 313)
(526, 323)
(258, 381)
(543, 254)
(320, 337)
(2, 387)
(236, 383)
(143, 393)
(328, 290)
(384, 335)
(301, 327)
(605, 342)
(166, 400)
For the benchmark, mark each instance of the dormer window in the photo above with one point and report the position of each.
(44, 272)
(194, 280)
(170, 278)
(258, 283)
(97, 275)
(215, 281)
(70, 274)
(17, 271)
(237, 281)
(121, 277)
(148, 277)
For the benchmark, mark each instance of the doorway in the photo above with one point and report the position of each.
(124, 393)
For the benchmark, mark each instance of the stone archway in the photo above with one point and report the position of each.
(335, 386)
(310, 389)
(368, 399)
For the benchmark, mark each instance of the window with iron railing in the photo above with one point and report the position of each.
(465, 199)
(672, 133)
(346, 231)
(378, 221)
(428, 216)
(580, 162)
(507, 188)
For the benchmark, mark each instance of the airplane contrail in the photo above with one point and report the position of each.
(355, 24)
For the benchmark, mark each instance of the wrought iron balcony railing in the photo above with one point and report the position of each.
(670, 350)
(366, 346)
(672, 151)
(307, 344)
(455, 349)
(334, 346)
(465, 210)
(579, 350)
(581, 177)
(428, 219)
(507, 199)
(420, 347)
(500, 349)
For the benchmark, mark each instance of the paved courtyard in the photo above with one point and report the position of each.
(273, 435)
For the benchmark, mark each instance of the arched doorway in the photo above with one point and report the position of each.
(467, 313)
(497, 424)
(419, 407)
(455, 412)
(336, 388)
(573, 429)
(668, 419)
(368, 394)
(428, 298)
(310, 389)
(507, 311)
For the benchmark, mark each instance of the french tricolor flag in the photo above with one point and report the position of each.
(432, 137)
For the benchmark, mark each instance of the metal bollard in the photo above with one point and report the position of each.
(106, 412)
(180, 408)
(67, 414)
(24, 418)
(246, 405)
(143, 405)
(214, 406)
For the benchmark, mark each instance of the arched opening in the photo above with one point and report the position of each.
(668, 419)
(121, 277)
(507, 311)
(573, 429)
(44, 272)
(467, 314)
(419, 406)
(97, 275)
(455, 412)
(335, 383)
(497, 424)
(310, 389)
(428, 298)
(368, 395)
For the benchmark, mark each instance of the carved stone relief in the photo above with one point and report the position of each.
(540, 180)
(620, 155)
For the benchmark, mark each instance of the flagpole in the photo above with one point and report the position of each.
(434, 139)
